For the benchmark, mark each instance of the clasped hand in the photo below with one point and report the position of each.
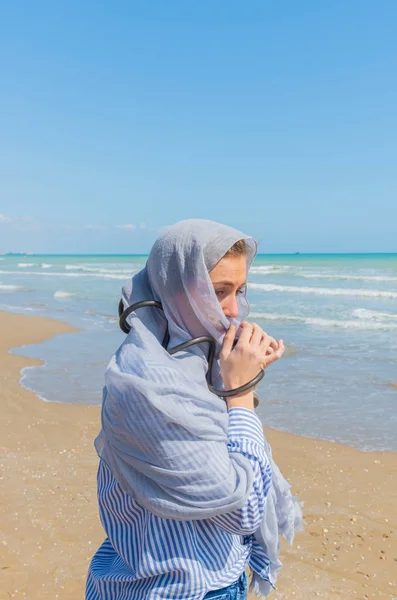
(254, 351)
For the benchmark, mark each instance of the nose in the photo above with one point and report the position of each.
(230, 307)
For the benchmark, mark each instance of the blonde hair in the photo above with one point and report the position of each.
(240, 248)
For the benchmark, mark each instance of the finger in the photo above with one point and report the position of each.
(256, 337)
(276, 355)
(265, 342)
(228, 340)
(281, 345)
(270, 360)
(245, 335)
(280, 348)
(273, 345)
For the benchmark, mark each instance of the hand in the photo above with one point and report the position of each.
(255, 350)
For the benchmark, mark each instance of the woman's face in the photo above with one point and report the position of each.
(229, 278)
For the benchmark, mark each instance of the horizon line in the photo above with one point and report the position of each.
(21, 254)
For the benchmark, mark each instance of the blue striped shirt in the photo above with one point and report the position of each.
(146, 557)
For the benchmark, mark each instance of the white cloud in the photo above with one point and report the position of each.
(130, 226)
(4, 219)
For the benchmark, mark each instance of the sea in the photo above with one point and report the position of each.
(337, 314)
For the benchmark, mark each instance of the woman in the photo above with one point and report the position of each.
(188, 493)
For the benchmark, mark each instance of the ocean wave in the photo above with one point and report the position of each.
(266, 269)
(45, 266)
(25, 265)
(327, 323)
(297, 271)
(363, 313)
(123, 277)
(100, 270)
(77, 268)
(103, 316)
(19, 309)
(269, 287)
(385, 278)
(351, 324)
(12, 288)
(94, 313)
(275, 316)
(59, 294)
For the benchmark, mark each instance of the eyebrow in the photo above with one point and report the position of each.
(230, 283)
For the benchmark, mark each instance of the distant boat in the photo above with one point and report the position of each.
(297, 252)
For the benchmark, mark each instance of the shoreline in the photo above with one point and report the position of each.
(52, 529)
(73, 329)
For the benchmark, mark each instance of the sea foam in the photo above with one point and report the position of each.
(269, 287)
(373, 278)
(121, 277)
(272, 269)
(328, 323)
(374, 315)
(59, 294)
(12, 288)
(99, 269)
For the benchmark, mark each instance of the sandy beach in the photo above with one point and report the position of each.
(49, 515)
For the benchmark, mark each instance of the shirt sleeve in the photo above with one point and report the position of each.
(245, 436)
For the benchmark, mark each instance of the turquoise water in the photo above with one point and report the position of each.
(336, 313)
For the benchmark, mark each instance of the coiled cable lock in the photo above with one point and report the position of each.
(126, 327)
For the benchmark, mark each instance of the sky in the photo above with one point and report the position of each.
(120, 118)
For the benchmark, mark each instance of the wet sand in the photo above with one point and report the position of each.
(50, 526)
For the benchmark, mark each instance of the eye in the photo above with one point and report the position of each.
(219, 292)
(240, 291)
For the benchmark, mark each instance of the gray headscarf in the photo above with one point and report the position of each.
(164, 434)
